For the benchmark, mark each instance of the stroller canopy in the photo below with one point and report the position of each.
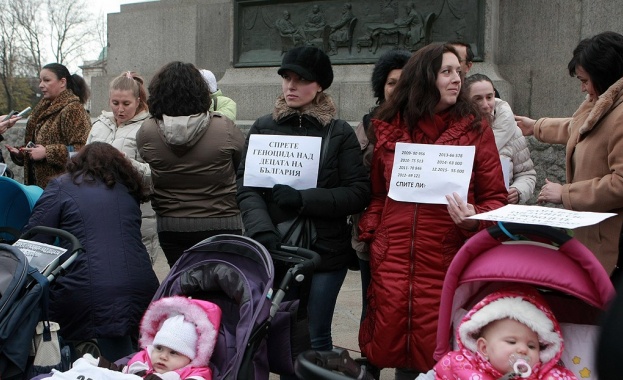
(486, 260)
(236, 273)
(17, 202)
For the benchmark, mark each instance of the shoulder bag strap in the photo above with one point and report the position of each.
(325, 143)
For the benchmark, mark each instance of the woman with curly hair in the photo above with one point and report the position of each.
(193, 155)
(109, 286)
(413, 243)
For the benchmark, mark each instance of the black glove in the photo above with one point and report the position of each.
(287, 197)
(270, 240)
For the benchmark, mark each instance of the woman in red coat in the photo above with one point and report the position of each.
(412, 244)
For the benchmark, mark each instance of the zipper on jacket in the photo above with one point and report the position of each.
(411, 272)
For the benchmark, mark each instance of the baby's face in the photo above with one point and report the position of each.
(506, 339)
(163, 359)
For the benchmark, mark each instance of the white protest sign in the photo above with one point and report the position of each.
(426, 173)
(283, 159)
(546, 216)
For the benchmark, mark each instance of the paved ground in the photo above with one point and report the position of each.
(345, 321)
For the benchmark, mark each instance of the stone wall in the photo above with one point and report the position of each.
(527, 45)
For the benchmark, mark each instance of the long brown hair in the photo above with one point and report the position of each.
(416, 94)
(101, 161)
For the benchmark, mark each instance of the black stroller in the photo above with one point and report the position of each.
(263, 327)
(24, 300)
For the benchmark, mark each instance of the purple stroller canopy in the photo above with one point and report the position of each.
(236, 273)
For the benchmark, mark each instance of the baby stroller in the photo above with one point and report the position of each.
(259, 329)
(24, 302)
(15, 207)
(573, 282)
(567, 274)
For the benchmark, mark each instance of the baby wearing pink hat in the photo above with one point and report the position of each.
(178, 336)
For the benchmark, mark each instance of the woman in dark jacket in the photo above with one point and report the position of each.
(109, 286)
(342, 184)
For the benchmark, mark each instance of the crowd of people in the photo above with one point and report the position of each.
(171, 168)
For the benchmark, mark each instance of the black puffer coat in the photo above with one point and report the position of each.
(343, 185)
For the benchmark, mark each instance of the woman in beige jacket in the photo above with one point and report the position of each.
(594, 140)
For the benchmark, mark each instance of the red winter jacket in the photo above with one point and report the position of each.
(412, 244)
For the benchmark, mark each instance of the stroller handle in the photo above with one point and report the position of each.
(322, 365)
(312, 259)
(552, 234)
(43, 230)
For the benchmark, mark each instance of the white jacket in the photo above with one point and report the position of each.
(123, 138)
(512, 144)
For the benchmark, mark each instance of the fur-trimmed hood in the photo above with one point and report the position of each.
(321, 109)
(603, 105)
(205, 315)
(524, 305)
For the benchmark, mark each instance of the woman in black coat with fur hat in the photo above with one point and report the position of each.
(343, 188)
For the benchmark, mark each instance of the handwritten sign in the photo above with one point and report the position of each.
(426, 173)
(546, 216)
(283, 159)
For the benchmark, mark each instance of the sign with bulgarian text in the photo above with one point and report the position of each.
(426, 173)
(282, 159)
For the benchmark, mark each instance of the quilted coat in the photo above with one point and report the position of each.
(343, 186)
(512, 144)
(108, 288)
(594, 152)
(412, 245)
(55, 124)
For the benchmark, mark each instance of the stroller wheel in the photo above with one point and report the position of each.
(87, 347)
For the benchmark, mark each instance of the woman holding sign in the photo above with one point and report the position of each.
(193, 155)
(594, 140)
(340, 187)
(412, 243)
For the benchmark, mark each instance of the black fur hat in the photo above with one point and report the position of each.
(390, 60)
(310, 63)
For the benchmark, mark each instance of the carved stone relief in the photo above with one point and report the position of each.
(351, 32)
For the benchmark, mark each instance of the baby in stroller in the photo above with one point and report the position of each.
(511, 333)
(178, 336)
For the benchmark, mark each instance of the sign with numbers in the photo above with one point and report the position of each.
(426, 173)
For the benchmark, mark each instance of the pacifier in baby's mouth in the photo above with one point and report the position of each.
(521, 365)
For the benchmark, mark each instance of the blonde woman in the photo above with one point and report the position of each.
(118, 127)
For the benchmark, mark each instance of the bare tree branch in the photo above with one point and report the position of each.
(25, 13)
(72, 27)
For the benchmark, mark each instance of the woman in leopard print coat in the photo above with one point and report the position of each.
(58, 126)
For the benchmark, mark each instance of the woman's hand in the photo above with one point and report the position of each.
(37, 153)
(550, 192)
(460, 211)
(513, 196)
(14, 151)
(5, 125)
(525, 124)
